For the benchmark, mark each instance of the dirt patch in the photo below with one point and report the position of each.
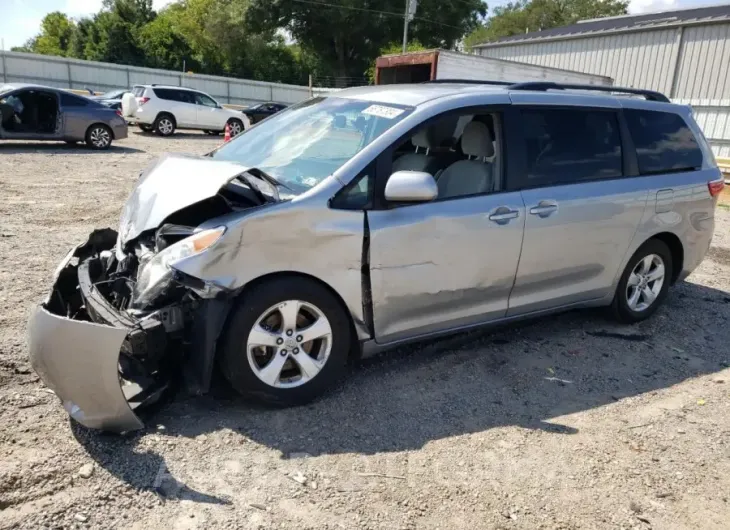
(568, 422)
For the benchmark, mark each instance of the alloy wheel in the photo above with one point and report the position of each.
(100, 137)
(165, 126)
(645, 283)
(289, 344)
(235, 128)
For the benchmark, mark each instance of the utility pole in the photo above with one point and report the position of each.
(411, 6)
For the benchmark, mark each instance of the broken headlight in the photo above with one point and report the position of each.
(155, 275)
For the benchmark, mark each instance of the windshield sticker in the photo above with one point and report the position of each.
(381, 111)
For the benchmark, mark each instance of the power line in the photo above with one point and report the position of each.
(389, 13)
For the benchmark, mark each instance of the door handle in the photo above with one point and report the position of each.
(503, 214)
(544, 208)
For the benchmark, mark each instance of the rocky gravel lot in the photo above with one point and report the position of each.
(570, 422)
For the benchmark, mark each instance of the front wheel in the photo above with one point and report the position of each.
(644, 283)
(287, 342)
(99, 137)
(236, 127)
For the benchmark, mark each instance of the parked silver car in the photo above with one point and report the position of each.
(32, 112)
(352, 223)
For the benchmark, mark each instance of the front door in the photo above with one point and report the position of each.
(443, 265)
(31, 115)
(582, 212)
(450, 263)
(208, 113)
(185, 109)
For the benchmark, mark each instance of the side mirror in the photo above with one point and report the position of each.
(411, 186)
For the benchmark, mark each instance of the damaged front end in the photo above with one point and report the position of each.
(121, 323)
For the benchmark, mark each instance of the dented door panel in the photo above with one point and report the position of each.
(443, 265)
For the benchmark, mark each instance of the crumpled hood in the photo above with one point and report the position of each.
(172, 183)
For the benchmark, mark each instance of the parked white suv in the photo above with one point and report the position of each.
(163, 109)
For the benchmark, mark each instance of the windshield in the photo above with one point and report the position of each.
(303, 145)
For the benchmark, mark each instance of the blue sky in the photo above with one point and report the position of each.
(20, 19)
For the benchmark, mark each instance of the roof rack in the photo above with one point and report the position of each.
(469, 82)
(650, 95)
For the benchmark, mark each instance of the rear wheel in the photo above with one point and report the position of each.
(287, 341)
(99, 137)
(164, 125)
(644, 283)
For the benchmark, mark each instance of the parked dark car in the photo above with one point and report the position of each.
(32, 112)
(112, 99)
(262, 111)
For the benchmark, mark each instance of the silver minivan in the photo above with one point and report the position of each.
(352, 223)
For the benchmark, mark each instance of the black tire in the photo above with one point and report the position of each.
(233, 356)
(99, 137)
(165, 124)
(146, 128)
(233, 123)
(620, 306)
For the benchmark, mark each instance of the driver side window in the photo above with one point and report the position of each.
(202, 99)
(461, 151)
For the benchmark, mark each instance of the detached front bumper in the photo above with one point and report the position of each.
(79, 362)
(76, 340)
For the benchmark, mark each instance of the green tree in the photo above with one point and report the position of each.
(164, 46)
(349, 35)
(55, 37)
(80, 38)
(523, 16)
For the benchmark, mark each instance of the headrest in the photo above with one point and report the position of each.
(436, 134)
(476, 140)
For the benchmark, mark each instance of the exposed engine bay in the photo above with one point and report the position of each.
(170, 320)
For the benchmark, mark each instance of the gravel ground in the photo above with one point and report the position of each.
(569, 422)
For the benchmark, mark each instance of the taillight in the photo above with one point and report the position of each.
(716, 187)
(119, 113)
(142, 101)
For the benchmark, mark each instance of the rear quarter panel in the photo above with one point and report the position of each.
(678, 203)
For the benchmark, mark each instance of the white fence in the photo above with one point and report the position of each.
(60, 72)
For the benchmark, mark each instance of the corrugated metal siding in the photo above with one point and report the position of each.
(703, 70)
(647, 59)
(641, 59)
(73, 73)
(714, 121)
(452, 65)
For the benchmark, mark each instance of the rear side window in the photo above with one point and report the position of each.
(571, 145)
(664, 143)
(69, 100)
(168, 94)
(138, 91)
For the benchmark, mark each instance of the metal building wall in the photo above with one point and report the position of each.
(703, 68)
(691, 64)
(640, 59)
